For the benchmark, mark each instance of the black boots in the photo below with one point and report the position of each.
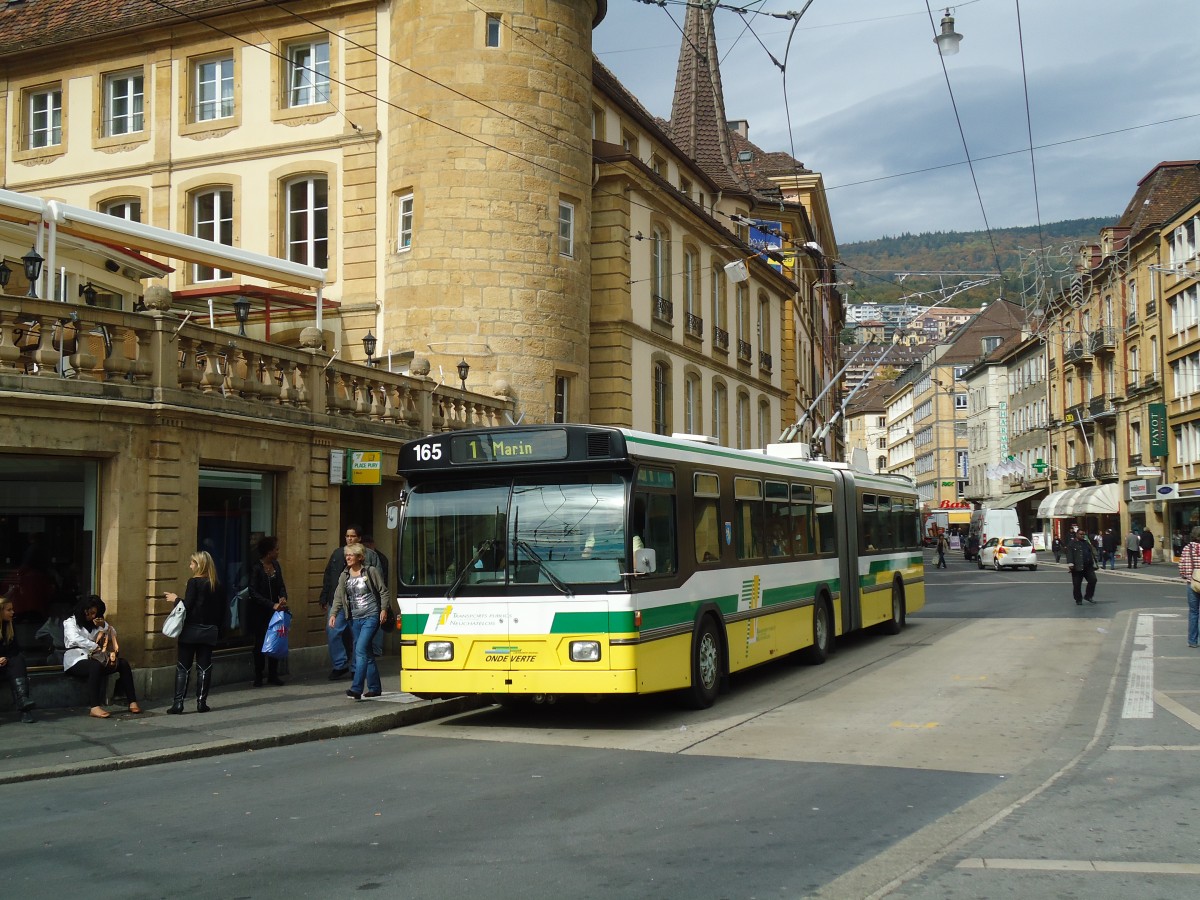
(181, 685)
(20, 692)
(203, 683)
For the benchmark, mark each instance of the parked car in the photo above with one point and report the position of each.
(1008, 553)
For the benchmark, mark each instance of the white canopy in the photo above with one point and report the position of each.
(1101, 499)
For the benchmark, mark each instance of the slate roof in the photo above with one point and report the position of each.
(1001, 319)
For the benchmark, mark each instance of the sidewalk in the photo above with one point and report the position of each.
(69, 741)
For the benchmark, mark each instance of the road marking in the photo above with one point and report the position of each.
(1155, 748)
(1173, 706)
(1139, 686)
(1083, 865)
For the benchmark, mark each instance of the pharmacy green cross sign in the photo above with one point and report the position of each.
(1040, 466)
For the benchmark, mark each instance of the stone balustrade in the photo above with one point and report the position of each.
(57, 348)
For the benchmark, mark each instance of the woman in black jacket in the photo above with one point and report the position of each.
(268, 595)
(12, 663)
(204, 600)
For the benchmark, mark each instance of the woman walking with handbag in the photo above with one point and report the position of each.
(363, 597)
(204, 600)
(1189, 571)
(267, 595)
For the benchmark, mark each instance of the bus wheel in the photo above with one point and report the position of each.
(896, 622)
(818, 651)
(706, 666)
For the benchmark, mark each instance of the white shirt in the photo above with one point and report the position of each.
(80, 643)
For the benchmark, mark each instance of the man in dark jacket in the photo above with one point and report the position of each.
(1147, 545)
(1081, 561)
(1111, 543)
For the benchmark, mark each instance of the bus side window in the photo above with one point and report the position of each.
(885, 534)
(706, 490)
(778, 525)
(658, 529)
(802, 519)
(748, 519)
(826, 525)
(868, 540)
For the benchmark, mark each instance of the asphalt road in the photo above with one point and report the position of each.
(990, 730)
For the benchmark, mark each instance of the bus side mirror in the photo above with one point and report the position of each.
(644, 561)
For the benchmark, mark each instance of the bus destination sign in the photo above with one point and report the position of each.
(508, 446)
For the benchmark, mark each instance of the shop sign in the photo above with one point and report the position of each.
(1139, 488)
(1149, 471)
(337, 466)
(1158, 428)
(364, 467)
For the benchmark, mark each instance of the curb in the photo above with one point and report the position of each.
(412, 714)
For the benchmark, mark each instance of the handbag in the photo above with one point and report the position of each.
(173, 627)
(275, 644)
(198, 634)
(389, 620)
(1191, 551)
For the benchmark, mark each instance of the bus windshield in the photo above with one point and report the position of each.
(546, 530)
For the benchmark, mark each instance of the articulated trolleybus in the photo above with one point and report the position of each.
(572, 560)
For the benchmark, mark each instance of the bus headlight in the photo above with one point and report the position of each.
(585, 651)
(439, 651)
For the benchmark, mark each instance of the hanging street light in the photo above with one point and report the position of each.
(949, 39)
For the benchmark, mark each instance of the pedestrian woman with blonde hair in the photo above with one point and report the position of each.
(204, 600)
(12, 663)
(363, 598)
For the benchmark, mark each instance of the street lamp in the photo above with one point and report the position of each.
(369, 344)
(32, 261)
(5, 274)
(89, 293)
(241, 309)
(949, 39)
(464, 369)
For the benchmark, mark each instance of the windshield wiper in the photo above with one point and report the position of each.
(543, 568)
(462, 573)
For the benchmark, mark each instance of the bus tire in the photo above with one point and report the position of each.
(822, 637)
(896, 622)
(706, 665)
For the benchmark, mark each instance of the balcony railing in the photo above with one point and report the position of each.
(1103, 469)
(1104, 339)
(693, 325)
(1131, 320)
(744, 351)
(720, 338)
(664, 309)
(764, 361)
(1080, 472)
(156, 357)
(1135, 460)
(1151, 308)
(1102, 406)
(1080, 351)
(1131, 381)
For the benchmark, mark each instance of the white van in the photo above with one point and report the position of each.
(990, 523)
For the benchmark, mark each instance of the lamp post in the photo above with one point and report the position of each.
(89, 293)
(5, 274)
(369, 344)
(464, 368)
(241, 309)
(32, 261)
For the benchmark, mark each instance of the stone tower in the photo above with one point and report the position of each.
(485, 145)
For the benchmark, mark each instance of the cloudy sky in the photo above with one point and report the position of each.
(869, 104)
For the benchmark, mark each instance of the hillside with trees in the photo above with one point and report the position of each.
(872, 265)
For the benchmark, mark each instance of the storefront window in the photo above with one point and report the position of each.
(234, 510)
(47, 543)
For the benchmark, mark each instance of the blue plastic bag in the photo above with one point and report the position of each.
(276, 642)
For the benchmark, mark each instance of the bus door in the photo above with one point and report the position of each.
(847, 524)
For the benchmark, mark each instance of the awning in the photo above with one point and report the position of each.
(1103, 499)
(1008, 501)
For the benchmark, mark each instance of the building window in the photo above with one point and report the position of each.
(743, 421)
(764, 423)
(658, 166)
(662, 398)
(743, 312)
(308, 73)
(233, 511)
(764, 324)
(404, 230)
(562, 386)
(691, 404)
(212, 220)
(308, 221)
(598, 130)
(493, 31)
(630, 142)
(566, 228)
(124, 208)
(45, 119)
(212, 88)
(960, 401)
(660, 264)
(691, 277)
(124, 110)
(720, 429)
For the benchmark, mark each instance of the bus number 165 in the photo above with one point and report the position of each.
(427, 452)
